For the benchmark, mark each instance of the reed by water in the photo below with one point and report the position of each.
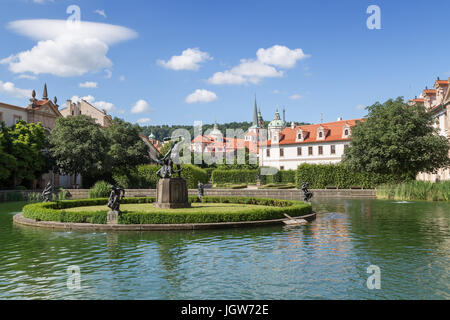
(415, 190)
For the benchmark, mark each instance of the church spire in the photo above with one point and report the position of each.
(45, 95)
(255, 114)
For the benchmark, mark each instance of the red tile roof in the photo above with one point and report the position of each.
(429, 91)
(333, 132)
(442, 82)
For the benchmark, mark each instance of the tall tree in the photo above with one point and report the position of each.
(7, 160)
(398, 139)
(78, 146)
(125, 148)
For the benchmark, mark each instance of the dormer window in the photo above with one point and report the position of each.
(346, 131)
(320, 133)
(300, 135)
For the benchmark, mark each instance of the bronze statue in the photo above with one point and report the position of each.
(166, 161)
(307, 195)
(117, 194)
(47, 193)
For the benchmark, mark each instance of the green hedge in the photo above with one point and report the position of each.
(144, 176)
(320, 176)
(234, 176)
(99, 190)
(54, 211)
(282, 176)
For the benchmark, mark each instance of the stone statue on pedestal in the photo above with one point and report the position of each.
(117, 194)
(171, 192)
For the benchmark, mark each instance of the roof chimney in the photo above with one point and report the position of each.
(339, 119)
(292, 125)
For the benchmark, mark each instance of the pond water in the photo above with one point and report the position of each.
(326, 259)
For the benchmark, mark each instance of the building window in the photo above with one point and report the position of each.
(268, 152)
(320, 134)
(299, 136)
(80, 111)
(310, 151)
(17, 119)
(72, 112)
(346, 132)
(281, 167)
(281, 152)
(333, 149)
(299, 151)
(320, 150)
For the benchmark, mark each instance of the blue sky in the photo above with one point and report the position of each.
(314, 56)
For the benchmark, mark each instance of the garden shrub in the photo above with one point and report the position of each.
(100, 189)
(321, 176)
(234, 176)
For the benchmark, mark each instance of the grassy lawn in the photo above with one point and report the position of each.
(148, 207)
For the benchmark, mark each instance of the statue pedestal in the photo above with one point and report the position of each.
(112, 217)
(172, 193)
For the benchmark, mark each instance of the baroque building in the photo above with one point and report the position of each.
(437, 101)
(289, 147)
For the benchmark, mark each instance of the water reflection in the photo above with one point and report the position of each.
(324, 259)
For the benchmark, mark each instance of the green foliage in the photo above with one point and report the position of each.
(193, 174)
(397, 139)
(234, 176)
(125, 148)
(230, 186)
(415, 190)
(99, 190)
(78, 145)
(320, 176)
(21, 156)
(282, 176)
(54, 211)
(34, 197)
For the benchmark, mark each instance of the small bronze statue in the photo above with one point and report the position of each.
(47, 193)
(201, 191)
(307, 195)
(117, 194)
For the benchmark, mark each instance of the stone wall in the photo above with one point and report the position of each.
(286, 194)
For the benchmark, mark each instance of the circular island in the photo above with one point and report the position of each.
(139, 214)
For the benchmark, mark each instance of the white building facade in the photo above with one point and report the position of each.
(314, 144)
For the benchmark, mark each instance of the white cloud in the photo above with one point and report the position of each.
(88, 84)
(201, 95)
(143, 120)
(360, 107)
(141, 106)
(10, 89)
(108, 74)
(27, 76)
(64, 49)
(102, 105)
(276, 91)
(189, 60)
(253, 71)
(295, 97)
(43, 1)
(122, 78)
(101, 12)
(280, 56)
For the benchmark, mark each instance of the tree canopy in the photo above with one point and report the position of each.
(78, 145)
(397, 138)
(21, 153)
